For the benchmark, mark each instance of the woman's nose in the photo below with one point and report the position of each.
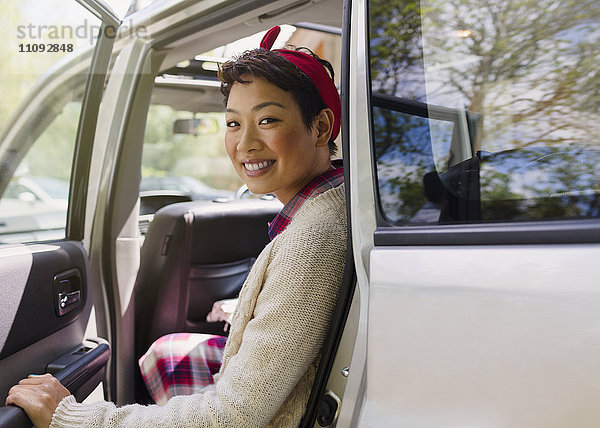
(249, 140)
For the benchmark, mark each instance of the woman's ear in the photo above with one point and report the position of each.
(324, 126)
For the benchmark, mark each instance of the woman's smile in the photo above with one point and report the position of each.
(255, 168)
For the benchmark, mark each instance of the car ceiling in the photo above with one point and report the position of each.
(245, 23)
(191, 88)
(188, 97)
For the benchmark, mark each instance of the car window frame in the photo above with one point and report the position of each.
(86, 132)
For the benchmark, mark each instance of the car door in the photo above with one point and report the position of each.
(474, 213)
(54, 71)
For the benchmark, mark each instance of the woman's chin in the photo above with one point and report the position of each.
(259, 190)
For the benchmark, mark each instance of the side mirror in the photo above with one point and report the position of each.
(26, 197)
(203, 126)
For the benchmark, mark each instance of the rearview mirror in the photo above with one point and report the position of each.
(203, 126)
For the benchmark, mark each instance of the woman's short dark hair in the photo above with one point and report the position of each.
(267, 65)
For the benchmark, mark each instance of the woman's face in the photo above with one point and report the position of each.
(268, 143)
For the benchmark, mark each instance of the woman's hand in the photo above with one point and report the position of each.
(39, 397)
(217, 313)
(222, 310)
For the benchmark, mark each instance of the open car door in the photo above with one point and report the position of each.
(475, 214)
(53, 85)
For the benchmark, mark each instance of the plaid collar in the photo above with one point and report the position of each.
(328, 180)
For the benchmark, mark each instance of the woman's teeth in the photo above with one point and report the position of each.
(259, 165)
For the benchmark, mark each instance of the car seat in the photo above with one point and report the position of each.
(194, 254)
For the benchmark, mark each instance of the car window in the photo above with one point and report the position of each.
(44, 69)
(194, 163)
(485, 111)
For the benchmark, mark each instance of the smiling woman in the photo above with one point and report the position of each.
(261, 121)
(283, 112)
(268, 93)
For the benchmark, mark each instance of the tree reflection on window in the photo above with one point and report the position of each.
(523, 79)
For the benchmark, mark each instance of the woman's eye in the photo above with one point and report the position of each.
(267, 120)
(232, 123)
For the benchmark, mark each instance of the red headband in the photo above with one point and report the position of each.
(315, 71)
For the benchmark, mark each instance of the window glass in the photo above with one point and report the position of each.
(184, 153)
(44, 66)
(485, 111)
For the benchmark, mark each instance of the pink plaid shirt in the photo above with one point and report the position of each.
(328, 180)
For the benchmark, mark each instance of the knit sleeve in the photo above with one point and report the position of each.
(280, 342)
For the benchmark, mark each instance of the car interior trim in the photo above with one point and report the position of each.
(205, 19)
(100, 9)
(547, 232)
(94, 89)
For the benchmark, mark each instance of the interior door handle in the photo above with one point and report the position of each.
(67, 291)
(66, 299)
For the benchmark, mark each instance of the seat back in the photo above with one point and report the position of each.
(194, 254)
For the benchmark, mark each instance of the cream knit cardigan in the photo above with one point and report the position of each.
(277, 332)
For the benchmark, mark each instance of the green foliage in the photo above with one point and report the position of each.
(410, 192)
(498, 202)
(395, 45)
(52, 153)
(522, 63)
(12, 90)
(396, 130)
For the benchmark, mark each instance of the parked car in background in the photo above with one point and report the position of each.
(46, 189)
(186, 185)
(33, 208)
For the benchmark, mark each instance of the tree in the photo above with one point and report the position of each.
(395, 48)
(525, 65)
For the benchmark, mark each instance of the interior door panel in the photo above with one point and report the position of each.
(47, 265)
(43, 320)
(80, 370)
